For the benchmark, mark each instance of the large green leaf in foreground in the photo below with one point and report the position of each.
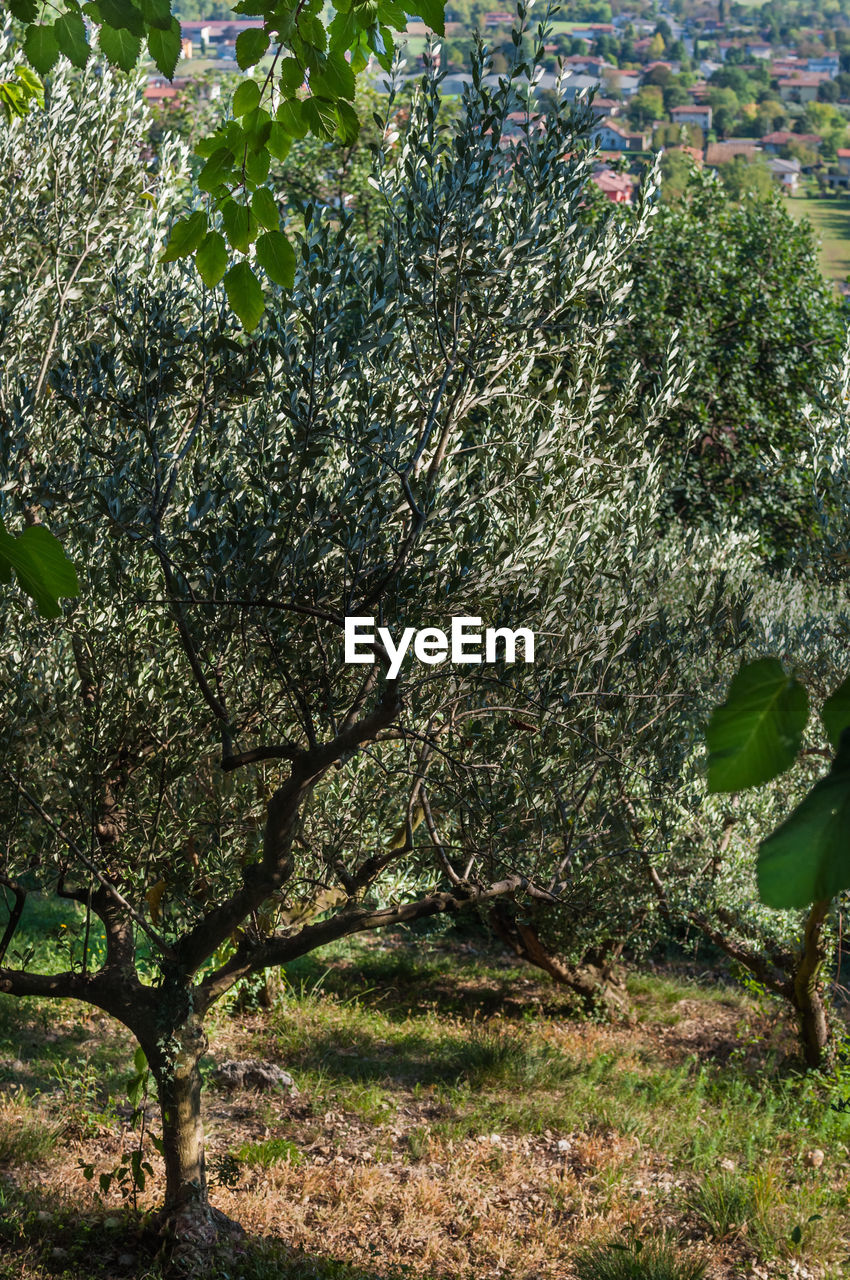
(808, 857)
(40, 565)
(756, 733)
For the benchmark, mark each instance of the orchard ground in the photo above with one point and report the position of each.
(455, 1120)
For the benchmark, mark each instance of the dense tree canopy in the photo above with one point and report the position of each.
(426, 428)
(70, 216)
(757, 326)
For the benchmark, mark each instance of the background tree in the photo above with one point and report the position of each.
(748, 179)
(645, 107)
(701, 852)
(676, 95)
(72, 216)
(668, 134)
(677, 169)
(726, 108)
(337, 175)
(633, 797)
(193, 111)
(659, 76)
(825, 119)
(807, 155)
(757, 325)
(763, 731)
(771, 115)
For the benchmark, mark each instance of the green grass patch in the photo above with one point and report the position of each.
(424, 1044)
(265, 1154)
(509, 1076)
(638, 1260)
(26, 1137)
(729, 1203)
(830, 217)
(777, 1219)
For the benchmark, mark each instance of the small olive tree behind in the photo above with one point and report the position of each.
(703, 859)
(421, 431)
(785, 722)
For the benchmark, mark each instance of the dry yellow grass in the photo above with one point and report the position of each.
(452, 1146)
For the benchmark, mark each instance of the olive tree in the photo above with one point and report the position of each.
(701, 851)
(81, 203)
(306, 80)
(651, 854)
(423, 431)
(78, 204)
(638, 793)
(763, 733)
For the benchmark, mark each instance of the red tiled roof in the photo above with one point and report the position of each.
(809, 80)
(607, 180)
(782, 137)
(722, 152)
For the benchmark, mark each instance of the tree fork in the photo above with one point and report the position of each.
(594, 984)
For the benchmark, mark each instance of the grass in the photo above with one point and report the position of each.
(265, 1154)
(730, 1202)
(638, 1260)
(830, 217)
(454, 1121)
(754, 1205)
(496, 1074)
(24, 1137)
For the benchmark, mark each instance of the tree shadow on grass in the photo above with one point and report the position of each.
(477, 1060)
(42, 1241)
(401, 981)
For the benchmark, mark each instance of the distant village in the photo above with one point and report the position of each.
(717, 90)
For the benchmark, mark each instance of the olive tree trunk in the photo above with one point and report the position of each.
(796, 975)
(178, 1078)
(807, 996)
(189, 1224)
